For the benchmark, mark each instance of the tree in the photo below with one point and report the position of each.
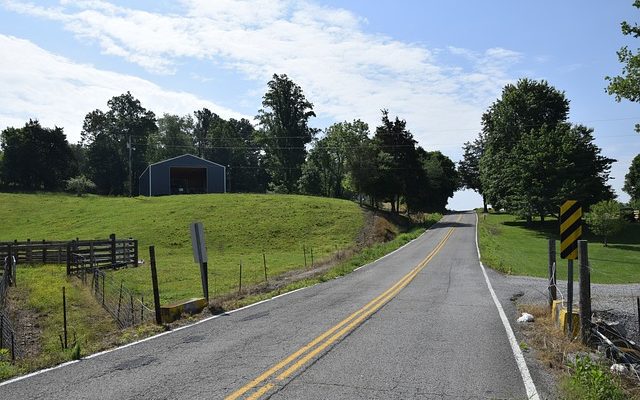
(632, 179)
(173, 138)
(36, 158)
(604, 219)
(627, 85)
(397, 142)
(332, 158)
(523, 107)
(80, 184)
(469, 167)
(117, 141)
(284, 131)
(533, 159)
(441, 179)
(201, 128)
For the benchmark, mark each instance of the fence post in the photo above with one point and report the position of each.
(133, 315)
(552, 272)
(154, 283)
(13, 346)
(119, 301)
(312, 257)
(264, 262)
(135, 253)
(92, 255)
(103, 275)
(304, 251)
(69, 258)
(585, 292)
(44, 252)
(112, 238)
(1, 330)
(29, 253)
(240, 284)
(570, 297)
(64, 315)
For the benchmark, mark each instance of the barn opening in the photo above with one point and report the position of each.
(186, 180)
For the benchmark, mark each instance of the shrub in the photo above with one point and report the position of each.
(80, 184)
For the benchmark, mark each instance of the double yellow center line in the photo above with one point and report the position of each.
(285, 368)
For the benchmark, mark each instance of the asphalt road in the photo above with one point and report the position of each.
(419, 323)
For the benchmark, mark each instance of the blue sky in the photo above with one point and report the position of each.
(437, 64)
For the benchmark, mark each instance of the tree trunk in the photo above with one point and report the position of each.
(605, 242)
(529, 219)
(542, 218)
(484, 204)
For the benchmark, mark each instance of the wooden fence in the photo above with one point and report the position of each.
(76, 254)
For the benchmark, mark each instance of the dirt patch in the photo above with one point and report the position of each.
(26, 325)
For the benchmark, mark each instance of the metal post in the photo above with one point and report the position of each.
(64, 315)
(264, 263)
(103, 275)
(312, 257)
(1, 331)
(119, 302)
(133, 315)
(204, 271)
(552, 272)
(304, 250)
(154, 283)
(69, 258)
(44, 252)
(570, 297)
(585, 292)
(240, 284)
(13, 346)
(638, 303)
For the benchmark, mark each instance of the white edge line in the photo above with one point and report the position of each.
(530, 387)
(32, 374)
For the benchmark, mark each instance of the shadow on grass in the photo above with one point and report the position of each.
(624, 247)
(551, 230)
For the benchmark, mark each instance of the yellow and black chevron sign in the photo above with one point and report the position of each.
(570, 229)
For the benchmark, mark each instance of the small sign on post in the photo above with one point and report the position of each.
(200, 254)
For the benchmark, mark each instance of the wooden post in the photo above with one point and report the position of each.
(1, 331)
(312, 257)
(103, 276)
(29, 252)
(69, 258)
(112, 238)
(570, 297)
(141, 309)
(13, 346)
(264, 263)
(135, 253)
(44, 252)
(154, 283)
(585, 293)
(552, 272)
(92, 256)
(133, 315)
(64, 315)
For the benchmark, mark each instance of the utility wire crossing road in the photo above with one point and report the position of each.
(422, 322)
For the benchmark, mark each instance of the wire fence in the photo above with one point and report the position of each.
(123, 304)
(7, 332)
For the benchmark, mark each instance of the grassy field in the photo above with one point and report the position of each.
(510, 246)
(238, 228)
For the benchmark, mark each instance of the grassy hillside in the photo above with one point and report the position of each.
(509, 245)
(238, 227)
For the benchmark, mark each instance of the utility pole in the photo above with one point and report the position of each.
(130, 169)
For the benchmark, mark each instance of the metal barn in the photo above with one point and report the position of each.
(186, 174)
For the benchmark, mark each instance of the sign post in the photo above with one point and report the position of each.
(570, 233)
(200, 255)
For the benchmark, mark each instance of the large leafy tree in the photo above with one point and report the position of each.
(284, 131)
(469, 167)
(627, 85)
(173, 138)
(524, 107)
(393, 139)
(334, 158)
(202, 124)
(441, 179)
(36, 158)
(117, 141)
(632, 179)
(533, 159)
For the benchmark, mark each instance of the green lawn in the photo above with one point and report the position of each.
(510, 246)
(238, 227)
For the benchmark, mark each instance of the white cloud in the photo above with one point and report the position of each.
(39, 85)
(346, 72)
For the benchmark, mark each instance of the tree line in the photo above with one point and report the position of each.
(282, 154)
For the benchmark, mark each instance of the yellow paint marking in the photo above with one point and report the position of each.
(260, 392)
(351, 321)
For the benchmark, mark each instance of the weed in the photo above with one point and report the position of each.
(588, 381)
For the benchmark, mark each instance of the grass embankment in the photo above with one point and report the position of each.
(511, 246)
(238, 228)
